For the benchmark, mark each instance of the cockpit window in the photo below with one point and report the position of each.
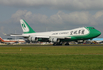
(93, 28)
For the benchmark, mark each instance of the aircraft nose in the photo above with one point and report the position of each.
(98, 33)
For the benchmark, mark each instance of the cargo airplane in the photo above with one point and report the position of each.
(58, 37)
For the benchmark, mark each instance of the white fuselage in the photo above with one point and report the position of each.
(74, 32)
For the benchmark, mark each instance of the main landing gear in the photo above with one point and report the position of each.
(60, 44)
(67, 43)
(57, 43)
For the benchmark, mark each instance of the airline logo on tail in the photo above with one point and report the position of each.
(24, 26)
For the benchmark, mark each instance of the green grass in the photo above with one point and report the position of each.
(51, 57)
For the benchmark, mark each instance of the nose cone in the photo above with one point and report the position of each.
(98, 33)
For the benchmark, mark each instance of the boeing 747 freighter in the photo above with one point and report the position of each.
(58, 37)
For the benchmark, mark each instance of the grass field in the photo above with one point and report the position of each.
(51, 57)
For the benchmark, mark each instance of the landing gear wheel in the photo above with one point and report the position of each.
(67, 44)
(58, 44)
(54, 44)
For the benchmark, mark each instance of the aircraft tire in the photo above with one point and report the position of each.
(67, 44)
(57, 44)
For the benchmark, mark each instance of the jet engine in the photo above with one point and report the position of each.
(32, 38)
(53, 39)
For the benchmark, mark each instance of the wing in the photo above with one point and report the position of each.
(59, 37)
(19, 35)
(22, 35)
(44, 38)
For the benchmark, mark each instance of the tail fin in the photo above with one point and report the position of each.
(1, 40)
(25, 27)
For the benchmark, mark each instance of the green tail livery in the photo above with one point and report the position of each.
(25, 27)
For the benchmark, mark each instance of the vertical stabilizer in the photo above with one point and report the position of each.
(25, 27)
(1, 39)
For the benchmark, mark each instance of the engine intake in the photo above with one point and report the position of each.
(53, 39)
(32, 38)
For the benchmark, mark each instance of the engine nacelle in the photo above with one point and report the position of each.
(53, 39)
(32, 38)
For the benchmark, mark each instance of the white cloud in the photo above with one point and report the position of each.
(83, 17)
(29, 16)
(98, 14)
(20, 14)
(57, 4)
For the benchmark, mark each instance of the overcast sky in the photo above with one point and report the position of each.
(50, 15)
